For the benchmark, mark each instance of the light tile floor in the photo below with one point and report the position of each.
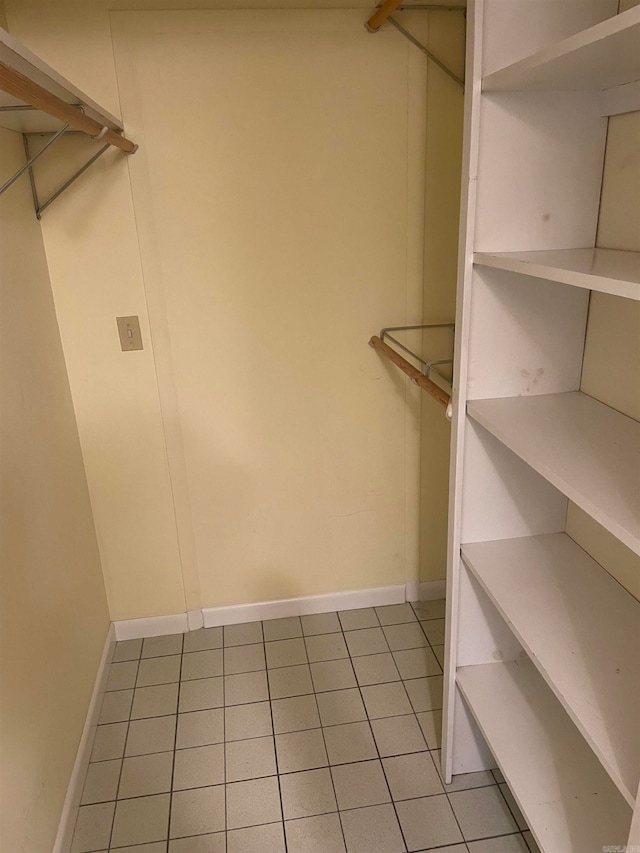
(318, 734)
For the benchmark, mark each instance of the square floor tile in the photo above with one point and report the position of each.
(282, 629)
(341, 706)
(505, 844)
(407, 636)
(122, 676)
(201, 694)
(268, 838)
(116, 707)
(101, 782)
(290, 681)
(353, 620)
(497, 775)
(93, 828)
(244, 658)
(367, 641)
(375, 669)
(207, 664)
(320, 623)
(320, 834)
(482, 812)
(144, 775)
(295, 714)
(154, 647)
(245, 688)
(431, 725)
(386, 700)
(439, 653)
(157, 734)
(360, 784)
(199, 767)
(463, 781)
(430, 609)
(211, 843)
(286, 653)
(395, 614)
(434, 629)
(199, 728)
(250, 759)
(428, 822)
(161, 670)
(307, 793)
(141, 821)
(372, 828)
(301, 751)
(350, 742)
(412, 776)
(425, 694)
(127, 650)
(398, 735)
(158, 701)
(243, 635)
(253, 803)
(109, 742)
(247, 721)
(417, 663)
(197, 811)
(203, 639)
(326, 647)
(332, 675)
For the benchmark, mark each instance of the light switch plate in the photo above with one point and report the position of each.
(129, 331)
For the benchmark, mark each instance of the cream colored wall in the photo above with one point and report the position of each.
(163, 458)
(92, 249)
(611, 371)
(53, 609)
(284, 220)
(446, 38)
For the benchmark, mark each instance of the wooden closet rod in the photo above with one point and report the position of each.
(16, 84)
(412, 372)
(381, 14)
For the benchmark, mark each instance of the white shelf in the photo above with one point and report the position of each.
(582, 631)
(568, 800)
(16, 56)
(601, 57)
(605, 270)
(588, 451)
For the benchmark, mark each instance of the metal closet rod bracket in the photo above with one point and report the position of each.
(418, 377)
(40, 208)
(102, 133)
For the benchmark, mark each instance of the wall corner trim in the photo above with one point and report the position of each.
(71, 805)
(235, 614)
(152, 626)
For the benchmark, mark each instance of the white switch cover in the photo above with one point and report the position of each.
(129, 331)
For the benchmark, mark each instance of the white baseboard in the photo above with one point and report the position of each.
(233, 614)
(152, 626)
(76, 782)
(432, 590)
(304, 606)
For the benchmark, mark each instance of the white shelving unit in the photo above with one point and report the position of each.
(542, 674)
(605, 270)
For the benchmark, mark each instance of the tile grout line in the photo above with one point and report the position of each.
(175, 741)
(324, 740)
(273, 735)
(124, 750)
